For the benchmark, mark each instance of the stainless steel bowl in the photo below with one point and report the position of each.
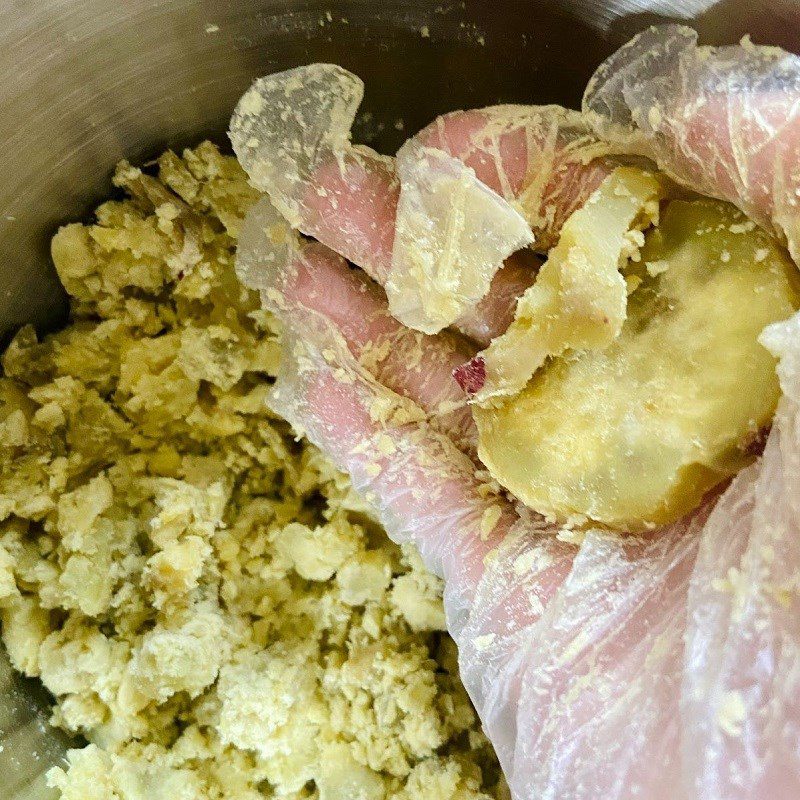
(87, 82)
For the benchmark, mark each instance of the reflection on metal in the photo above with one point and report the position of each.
(28, 746)
(602, 15)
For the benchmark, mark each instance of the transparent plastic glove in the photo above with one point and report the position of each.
(723, 121)
(291, 131)
(726, 121)
(452, 234)
(740, 698)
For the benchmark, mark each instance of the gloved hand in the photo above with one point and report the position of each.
(726, 122)
(657, 666)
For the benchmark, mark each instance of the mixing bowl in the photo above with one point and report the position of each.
(87, 82)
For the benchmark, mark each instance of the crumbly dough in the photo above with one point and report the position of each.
(208, 600)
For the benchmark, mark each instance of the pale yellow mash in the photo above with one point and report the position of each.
(210, 603)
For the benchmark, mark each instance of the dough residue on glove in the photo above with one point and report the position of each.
(452, 235)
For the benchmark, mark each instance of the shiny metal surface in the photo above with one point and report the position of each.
(87, 82)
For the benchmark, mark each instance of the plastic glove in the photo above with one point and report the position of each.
(573, 653)
(291, 133)
(723, 121)
(726, 122)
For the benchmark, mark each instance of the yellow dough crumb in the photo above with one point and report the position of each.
(207, 599)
